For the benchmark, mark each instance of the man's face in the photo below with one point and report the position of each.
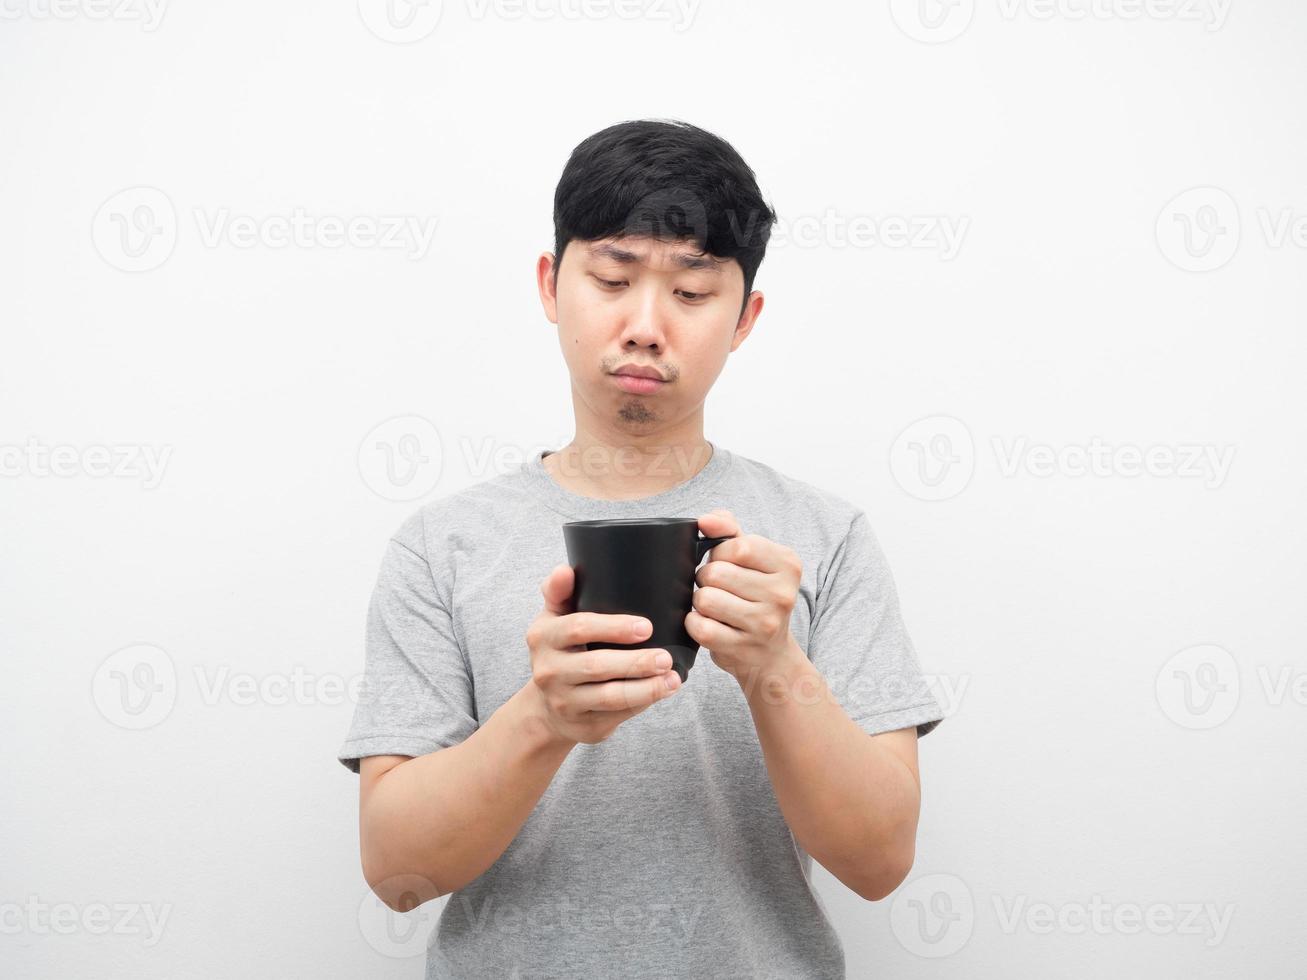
(642, 302)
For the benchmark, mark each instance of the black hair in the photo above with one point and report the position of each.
(666, 179)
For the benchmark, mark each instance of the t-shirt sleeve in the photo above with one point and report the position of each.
(859, 643)
(416, 696)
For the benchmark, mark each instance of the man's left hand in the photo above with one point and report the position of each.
(746, 593)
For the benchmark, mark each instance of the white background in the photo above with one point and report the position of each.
(1097, 776)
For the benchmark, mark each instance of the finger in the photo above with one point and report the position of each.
(718, 523)
(588, 667)
(727, 609)
(710, 633)
(747, 583)
(579, 628)
(557, 590)
(756, 552)
(622, 695)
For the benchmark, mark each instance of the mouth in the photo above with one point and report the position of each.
(637, 385)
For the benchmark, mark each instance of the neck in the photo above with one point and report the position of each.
(621, 466)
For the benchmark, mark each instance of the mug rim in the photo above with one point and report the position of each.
(646, 521)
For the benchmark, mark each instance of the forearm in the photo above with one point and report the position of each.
(851, 803)
(436, 822)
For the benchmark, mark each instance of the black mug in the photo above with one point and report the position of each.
(640, 567)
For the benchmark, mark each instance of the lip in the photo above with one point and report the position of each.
(639, 379)
(639, 371)
(637, 384)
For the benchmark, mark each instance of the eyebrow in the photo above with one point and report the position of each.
(684, 260)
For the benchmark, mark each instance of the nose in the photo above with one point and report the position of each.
(644, 322)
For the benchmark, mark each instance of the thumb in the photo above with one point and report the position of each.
(717, 522)
(557, 590)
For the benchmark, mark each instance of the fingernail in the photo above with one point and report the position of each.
(672, 680)
(641, 627)
(663, 659)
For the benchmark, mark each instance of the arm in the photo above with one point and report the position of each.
(851, 799)
(431, 824)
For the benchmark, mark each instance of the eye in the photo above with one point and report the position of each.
(692, 297)
(610, 283)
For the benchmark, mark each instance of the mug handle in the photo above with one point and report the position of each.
(702, 545)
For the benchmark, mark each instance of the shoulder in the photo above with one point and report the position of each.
(828, 514)
(453, 521)
(827, 529)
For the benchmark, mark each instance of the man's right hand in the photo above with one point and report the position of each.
(585, 694)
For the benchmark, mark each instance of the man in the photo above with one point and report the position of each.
(591, 815)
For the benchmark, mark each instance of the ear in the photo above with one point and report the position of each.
(545, 283)
(752, 307)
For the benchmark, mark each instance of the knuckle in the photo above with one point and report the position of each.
(588, 664)
(618, 697)
(574, 632)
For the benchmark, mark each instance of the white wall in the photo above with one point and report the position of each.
(1076, 804)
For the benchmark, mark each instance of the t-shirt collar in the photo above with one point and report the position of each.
(669, 503)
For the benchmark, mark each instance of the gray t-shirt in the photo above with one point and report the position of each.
(660, 851)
